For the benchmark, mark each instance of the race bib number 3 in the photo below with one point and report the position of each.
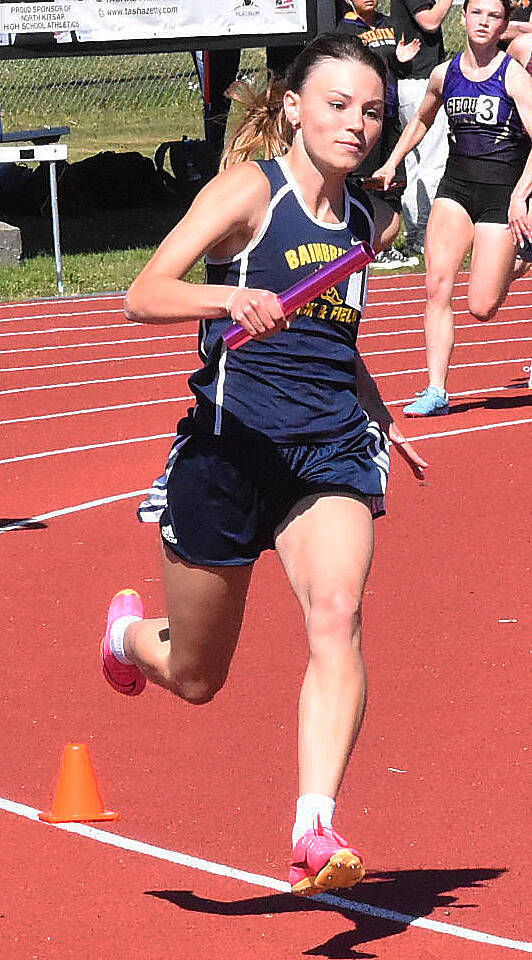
(487, 109)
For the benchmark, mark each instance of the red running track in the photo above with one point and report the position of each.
(438, 792)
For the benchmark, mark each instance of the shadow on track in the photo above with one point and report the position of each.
(493, 403)
(413, 892)
(25, 523)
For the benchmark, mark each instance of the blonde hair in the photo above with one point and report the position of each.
(264, 131)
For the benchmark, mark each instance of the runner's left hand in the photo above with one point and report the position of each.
(518, 221)
(407, 451)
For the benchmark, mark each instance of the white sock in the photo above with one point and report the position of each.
(116, 637)
(310, 808)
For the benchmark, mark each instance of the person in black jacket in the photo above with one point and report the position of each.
(362, 19)
(422, 20)
(217, 70)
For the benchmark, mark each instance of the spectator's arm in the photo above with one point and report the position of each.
(516, 28)
(431, 20)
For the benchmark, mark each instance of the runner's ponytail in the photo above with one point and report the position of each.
(264, 131)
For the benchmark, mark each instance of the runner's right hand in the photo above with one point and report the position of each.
(259, 312)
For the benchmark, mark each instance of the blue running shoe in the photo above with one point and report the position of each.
(431, 402)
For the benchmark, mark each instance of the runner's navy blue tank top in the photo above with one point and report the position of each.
(487, 142)
(298, 385)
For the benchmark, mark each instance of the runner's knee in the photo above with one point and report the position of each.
(438, 287)
(334, 619)
(481, 308)
(196, 689)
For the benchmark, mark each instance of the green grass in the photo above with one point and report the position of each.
(102, 251)
(110, 103)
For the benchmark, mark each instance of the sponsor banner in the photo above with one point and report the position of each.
(115, 20)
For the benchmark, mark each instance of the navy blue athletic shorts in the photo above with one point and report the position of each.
(225, 498)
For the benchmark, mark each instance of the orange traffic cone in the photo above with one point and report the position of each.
(77, 797)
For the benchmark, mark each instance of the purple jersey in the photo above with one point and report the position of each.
(487, 143)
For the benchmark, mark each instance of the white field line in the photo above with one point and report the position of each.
(365, 319)
(87, 410)
(454, 298)
(100, 343)
(83, 363)
(59, 316)
(475, 343)
(164, 436)
(85, 383)
(89, 446)
(456, 433)
(48, 330)
(188, 397)
(456, 313)
(64, 301)
(453, 366)
(187, 336)
(377, 282)
(453, 396)
(374, 282)
(173, 373)
(419, 330)
(183, 353)
(55, 315)
(268, 883)
(65, 511)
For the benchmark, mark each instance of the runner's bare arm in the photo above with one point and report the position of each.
(372, 402)
(416, 129)
(221, 221)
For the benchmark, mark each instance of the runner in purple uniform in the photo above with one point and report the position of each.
(481, 204)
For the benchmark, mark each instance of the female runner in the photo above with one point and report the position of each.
(481, 202)
(278, 450)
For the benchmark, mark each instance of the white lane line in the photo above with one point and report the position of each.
(162, 436)
(136, 356)
(453, 366)
(88, 344)
(419, 330)
(475, 343)
(376, 284)
(260, 880)
(59, 316)
(458, 393)
(173, 373)
(403, 286)
(486, 426)
(457, 313)
(87, 410)
(65, 301)
(100, 343)
(49, 330)
(189, 396)
(89, 446)
(65, 511)
(454, 298)
(86, 383)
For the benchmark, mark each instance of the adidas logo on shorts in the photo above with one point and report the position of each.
(168, 534)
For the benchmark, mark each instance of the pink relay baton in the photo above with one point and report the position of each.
(305, 290)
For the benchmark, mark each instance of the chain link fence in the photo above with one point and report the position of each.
(124, 102)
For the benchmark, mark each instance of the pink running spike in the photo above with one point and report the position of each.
(323, 860)
(124, 677)
(305, 290)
